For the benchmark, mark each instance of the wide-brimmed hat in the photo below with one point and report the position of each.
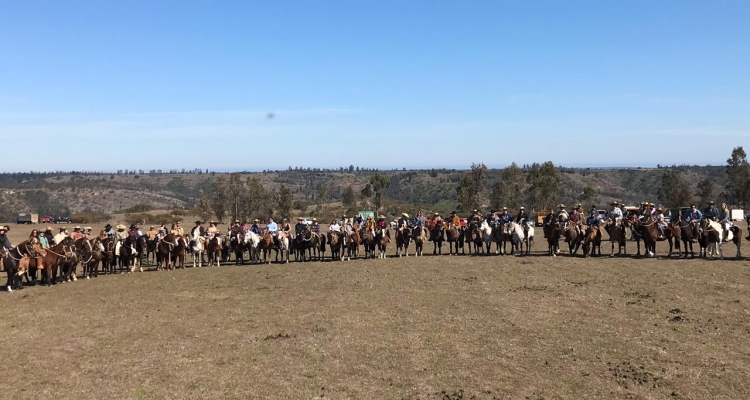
(107, 226)
(76, 228)
(316, 220)
(614, 203)
(152, 227)
(198, 222)
(256, 220)
(522, 208)
(236, 221)
(651, 204)
(49, 228)
(474, 210)
(133, 226)
(561, 206)
(212, 222)
(711, 202)
(381, 216)
(300, 219)
(659, 209)
(505, 208)
(438, 214)
(579, 205)
(2, 228)
(405, 215)
(119, 226)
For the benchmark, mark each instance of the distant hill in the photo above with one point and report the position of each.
(64, 193)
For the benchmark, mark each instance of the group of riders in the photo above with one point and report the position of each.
(378, 227)
(617, 213)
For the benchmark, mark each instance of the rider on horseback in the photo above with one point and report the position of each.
(255, 227)
(660, 221)
(369, 225)
(724, 219)
(4, 241)
(616, 216)
(199, 228)
(521, 217)
(403, 222)
(577, 218)
(299, 228)
(711, 212)
(594, 218)
(562, 216)
(120, 237)
(382, 226)
(334, 227)
(506, 217)
(273, 229)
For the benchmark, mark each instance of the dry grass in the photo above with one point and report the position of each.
(428, 328)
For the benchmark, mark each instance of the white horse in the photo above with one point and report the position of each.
(252, 243)
(522, 236)
(486, 230)
(284, 247)
(199, 246)
(715, 235)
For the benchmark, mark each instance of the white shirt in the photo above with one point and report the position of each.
(335, 228)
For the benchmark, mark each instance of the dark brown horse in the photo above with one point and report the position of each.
(437, 237)
(54, 259)
(574, 239)
(552, 232)
(618, 235)
(91, 254)
(452, 235)
(403, 239)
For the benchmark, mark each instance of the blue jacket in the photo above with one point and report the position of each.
(711, 213)
(506, 218)
(593, 220)
(255, 229)
(696, 216)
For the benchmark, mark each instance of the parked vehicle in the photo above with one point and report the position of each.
(61, 220)
(46, 220)
(29, 218)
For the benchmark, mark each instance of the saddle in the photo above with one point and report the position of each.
(453, 231)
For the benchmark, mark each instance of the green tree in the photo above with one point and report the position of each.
(366, 195)
(470, 187)
(285, 202)
(545, 185)
(379, 183)
(350, 200)
(674, 190)
(203, 208)
(219, 199)
(705, 191)
(589, 196)
(508, 190)
(738, 172)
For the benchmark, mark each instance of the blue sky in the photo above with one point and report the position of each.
(189, 84)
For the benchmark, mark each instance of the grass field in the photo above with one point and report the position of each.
(429, 328)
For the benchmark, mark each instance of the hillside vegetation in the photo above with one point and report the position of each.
(316, 191)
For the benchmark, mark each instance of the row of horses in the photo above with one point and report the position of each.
(679, 234)
(102, 254)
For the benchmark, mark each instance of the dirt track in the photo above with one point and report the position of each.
(429, 328)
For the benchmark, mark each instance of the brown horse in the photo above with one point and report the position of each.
(369, 243)
(451, 236)
(213, 249)
(54, 259)
(574, 239)
(590, 238)
(352, 246)
(267, 244)
(91, 254)
(419, 235)
(552, 232)
(618, 235)
(437, 237)
(16, 262)
(167, 251)
(403, 238)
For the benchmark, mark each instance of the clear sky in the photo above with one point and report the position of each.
(110, 85)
